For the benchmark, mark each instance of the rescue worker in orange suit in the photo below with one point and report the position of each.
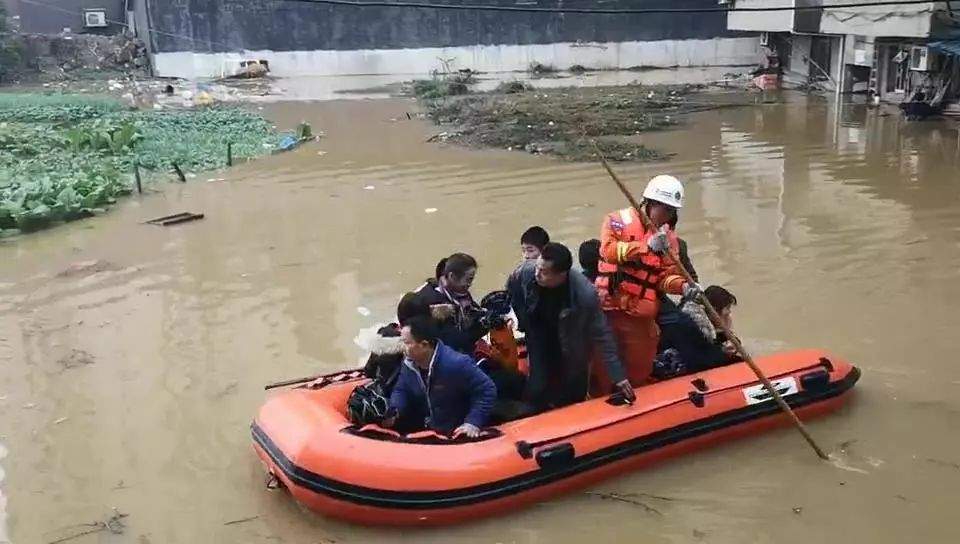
(634, 269)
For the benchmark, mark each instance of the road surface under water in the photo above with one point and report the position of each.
(133, 357)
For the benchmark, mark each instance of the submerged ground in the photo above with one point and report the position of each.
(132, 357)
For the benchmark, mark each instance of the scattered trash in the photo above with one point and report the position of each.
(251, 69)
(699, 535)
(242, 520)
(76, 359)
(229, 389)
(60, 420)
(942, 463)
(797, 510)
(430, 210)
(29, 406)
(114, 524)
(369, 188)
(321, 153)
(363, 310)
(625, 498)
(441, 137)
(303, 134)
(175, 219)
(85, 268)
(287, 143)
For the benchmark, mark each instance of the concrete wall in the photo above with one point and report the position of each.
(912, 20)
(213, 26)
(485, 58)
(193, 38)
(55, 15)
(762, 21)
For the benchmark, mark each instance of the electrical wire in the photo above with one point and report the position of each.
(602, 11)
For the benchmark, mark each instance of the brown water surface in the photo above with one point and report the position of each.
(132, 357)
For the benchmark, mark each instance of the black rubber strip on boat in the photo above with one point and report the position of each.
(430, 500)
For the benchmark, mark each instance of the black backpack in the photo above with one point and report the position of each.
(368, 404)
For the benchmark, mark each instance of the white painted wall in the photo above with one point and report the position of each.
(761, 21)
(495, 58)
(911, 20)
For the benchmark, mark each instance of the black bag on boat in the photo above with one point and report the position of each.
(368, 404)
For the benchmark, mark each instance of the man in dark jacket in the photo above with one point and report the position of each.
(443, 388)
(564, 325)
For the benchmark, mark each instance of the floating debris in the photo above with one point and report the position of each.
(242, 520)
(175, 219)
(114, 524)
(76, 359)
(625, 498)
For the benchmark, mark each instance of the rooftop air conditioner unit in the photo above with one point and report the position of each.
(94, 18)
(921, 60)
(725, 2)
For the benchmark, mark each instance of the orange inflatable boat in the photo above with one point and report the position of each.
(374, 476)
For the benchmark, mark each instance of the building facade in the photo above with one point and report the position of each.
(889, 51)
(56, 16)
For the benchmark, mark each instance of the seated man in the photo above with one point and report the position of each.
(564, 325)
(689, 342)
(438, 385)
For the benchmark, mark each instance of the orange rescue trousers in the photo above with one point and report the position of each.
(637, 339)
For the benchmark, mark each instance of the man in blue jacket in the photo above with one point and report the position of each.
(438, 385)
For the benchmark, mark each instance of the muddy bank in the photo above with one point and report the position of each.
(563, 122)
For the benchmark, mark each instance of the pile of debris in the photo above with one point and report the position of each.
(565, 121)
(79, 56)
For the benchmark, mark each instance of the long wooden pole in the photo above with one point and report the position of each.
(306, 379)
(714, 316)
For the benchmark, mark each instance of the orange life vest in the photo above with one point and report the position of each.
(639, 278)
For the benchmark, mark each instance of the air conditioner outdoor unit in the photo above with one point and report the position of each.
(921, 60)
(94, 18)
(725, 2)
(764, 38)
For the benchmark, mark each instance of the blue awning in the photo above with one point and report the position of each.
(949, 47)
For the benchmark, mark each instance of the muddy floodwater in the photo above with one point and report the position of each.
(133, 357)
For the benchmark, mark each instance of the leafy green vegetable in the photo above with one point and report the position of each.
(64, 156)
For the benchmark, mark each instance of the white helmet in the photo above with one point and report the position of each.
(666, 189)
